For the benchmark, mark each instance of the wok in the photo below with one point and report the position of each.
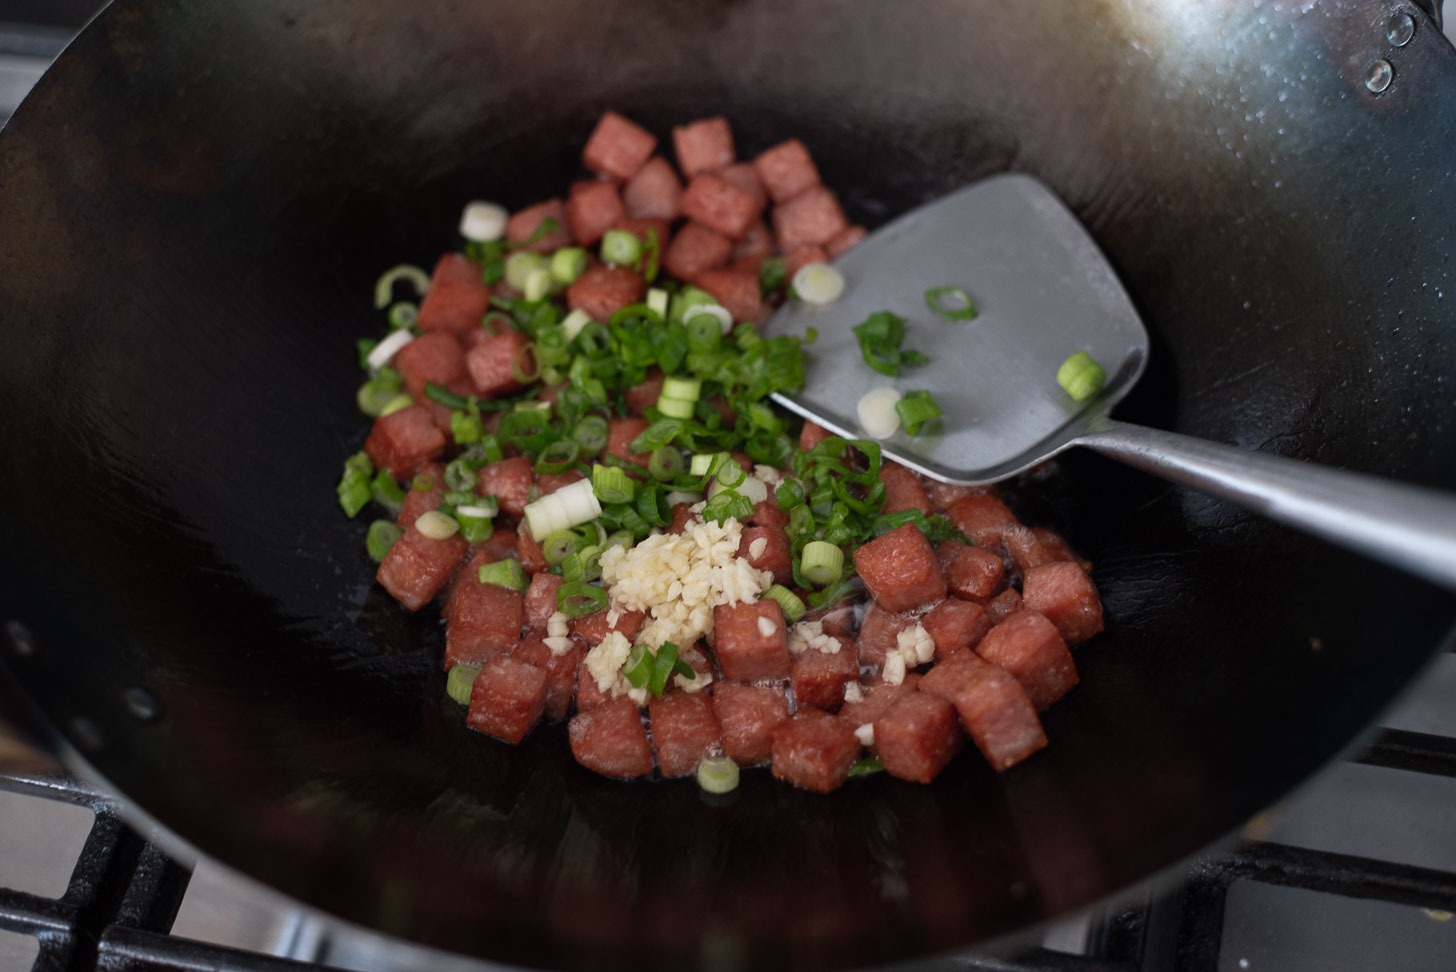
(195, 202)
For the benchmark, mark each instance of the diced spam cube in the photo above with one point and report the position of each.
(540, 600)
(417, 568)
(684, 731)
(481, 621)
(620, 434)
(992, 706)
(655, 192)
(509, 481)
(766, 513)
(750, 641)
(814, 750)
(972, 573)
(499, 363)
(767, 548)
(549, 483)
(423, 493)
(786, 170)
(525, 224)
(641, 397)
(748, 716)
(737, 291)
(592, 628)
(682, 515)
(818, 678)
(945, 495)
(837, 620)
(602, 291)
(694, 249)
(617, 147)
(902, 489)
(1036, 546)
(801, 256)
(529, 553)
(403, 441)
(703, 145)
(757, 243)
(1003, 605)
(900, 569)
(845, 240)
(696, 658)
(433, 356)
(560, 671)
(609, 739)
(588, 695)
(876, 699)
(917, 736)
(1065, 595)
(811, 218)
(719, 204)
(983, 518)
(507, 699)
(879, 633)
(592, 208)
(457, 297)
(745, 177)
(1031, 648)
(956, 625)
(812, 434)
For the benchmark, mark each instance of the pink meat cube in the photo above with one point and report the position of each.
(956, 625)
(641, 397)
(560, 671)
(433, 356)
(540, 600)
(529, 553)
(837, 620)
(684, 730)
(719, 204)
(592, 209)
(814, 750)
(786, 170)
(403, 441)
(879, 633)
(845, 240)
(549, 483)
(507, 699)
(588, 696)
(457, 297)
(900, 569)
(509, 481)
(992, 705)
(945, 495)
(745, 177)
(695, 249)
(766, 513)
(877, 697)
(1065, 595)
(525, 224)
(973, 573)
(703, 145)
(481, 621)
(812, 434)
(801, 256)
(498, 363)
(756, 246)
(696, 658)
(818, 678)
(426, 492)
(1036, 546)
(748, 716)
(682, 515)
(917, 736)
(903, 490)
(1031, 648)
(620, 434)
(767, 548)
(609, 739)
(655, 192)
(416, 569)
(737, 291)
(604, 290)
(592, 628)
(750, 641)
(617, 147)
(1003, 605)
(813, 217)
(983, 518)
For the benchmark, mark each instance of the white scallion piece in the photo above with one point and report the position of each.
(876, 411)
(483, 222)
(478, 512)
(572, 324)
(717, 311)
(389, 347)
(436, 525)
(657, 300)
(818, 283)
(567, 507)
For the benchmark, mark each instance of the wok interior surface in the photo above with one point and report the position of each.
(196, 201)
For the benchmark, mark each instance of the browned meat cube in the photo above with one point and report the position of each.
(814, 750)
(694, 249)
(955, 625)
(1030, 647)
(609, 739)
(497, 364)
(509, 481)
(592, 628)
(481, 621)
(655, 192)
(812, 218)
(1003, 605)
(592, 208)
(433, 356)
(945, 495)
(812, 434)
(641, 397)
(684, 730)
(696, 658)
(703, 145)
(617, 147)
(900, 569)
(426, 492)
(846, 239)
(604, 290)
(750, 642)
(992, 705)
(540, 600)
(403, 441)
(526, 223)
(786, 170)
(588, 696)
(983, 518)
(767, 548)
(917, 736)
(549, 483)
(457, 297)
(766, 513)
(1035, 547)
(875, 699)
(529, 553)
(719, 204)
(879, 632)
(620, 433)
(737, 291)
(682, 515)
(560, 671)
(756, 246)
(745, 177)
(748, 716)
(416, 569)
(1064, 593)
(507, 699)
(818, 678)
(973, 573)
(902, 489)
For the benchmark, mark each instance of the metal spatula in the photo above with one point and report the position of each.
(1044, 291)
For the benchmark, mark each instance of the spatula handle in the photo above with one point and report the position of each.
(1410, 527)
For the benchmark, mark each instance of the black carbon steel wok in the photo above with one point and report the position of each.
(195, 202)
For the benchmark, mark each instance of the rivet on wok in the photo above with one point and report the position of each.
(20, 640)
(142, 704)
(87, 734)
(1378, 76)
(1400, 28)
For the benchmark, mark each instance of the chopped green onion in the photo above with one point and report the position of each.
(423, 482)
(730, 474)
(375, 394)
(866, 766)
(382, 352)
(729, 504)
(1081, 376)
(538, 284)
(483, 222)
(675, 407)
(716, 312)
(880, 336)
(788, 600)
(612, 485)
(772, 275)
(704, 333)
(637, 669)
(558, 457)
(403, 314)
(382, 535)
(718, 775)
(591, 434)
(818, 283)
(460, 475)
(437, 525)
(567, 264)
(558, 546)
(465, 427)
(404, 273)
(520, 265)
(621, 247)
(917, 408)
(574, 323)
(821, 562)
(354, 487)
(476, 523)
(443, 395)
(706, 463)
(878, 412)
(659, 433)
(687, 389)
(395, 404)
(585, 565)
(664, 661)
(952, 303)
(687, 299)
(579, 598)
(460, 682)
(665, 463)
(385, 491)
(657, 299)
(504, 573)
